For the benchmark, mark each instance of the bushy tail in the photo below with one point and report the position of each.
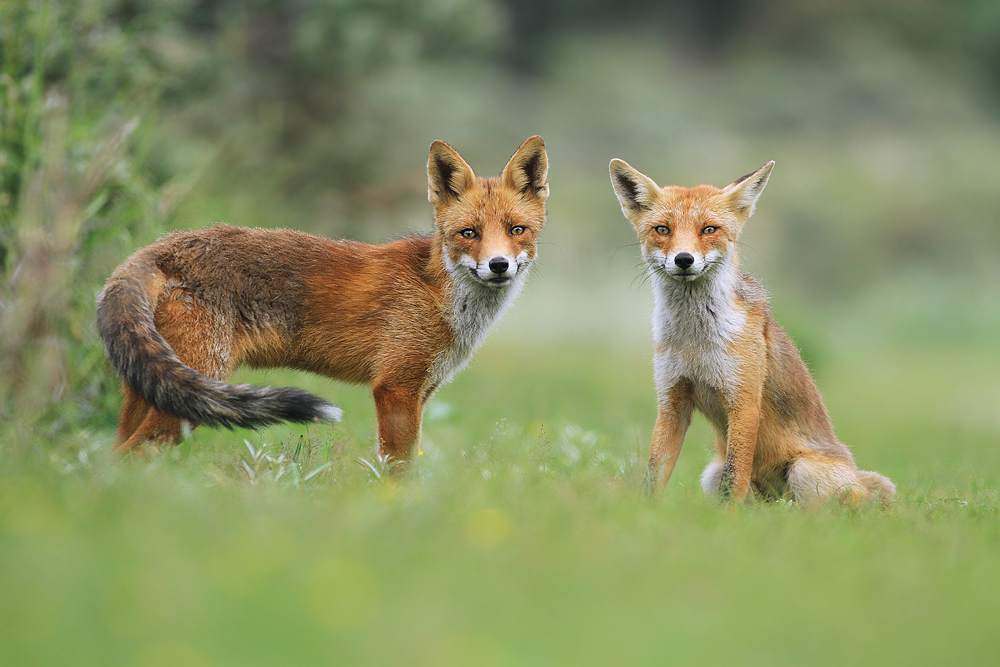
(879, 486)
(151, 368)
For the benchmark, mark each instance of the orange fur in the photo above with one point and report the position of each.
(719, 350)
(180, 315)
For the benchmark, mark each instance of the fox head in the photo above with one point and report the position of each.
(488, 227)
(685, 233)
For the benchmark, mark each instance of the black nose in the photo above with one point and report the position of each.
(683, 260)
(499, 265)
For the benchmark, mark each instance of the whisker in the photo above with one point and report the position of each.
(629, 245)
(748, 247)
(641, 276)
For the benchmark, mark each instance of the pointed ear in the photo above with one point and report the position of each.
(528, 169)
(448, 175)
(636, 192)
(744, 192)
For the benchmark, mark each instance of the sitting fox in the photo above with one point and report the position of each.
(180, 315)
(718, 349)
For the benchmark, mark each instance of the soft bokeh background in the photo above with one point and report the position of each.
(878, 237)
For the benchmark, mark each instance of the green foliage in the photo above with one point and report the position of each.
(73, 77)
(286, 94)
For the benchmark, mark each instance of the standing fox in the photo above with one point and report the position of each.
(180, 315)
(718, 349)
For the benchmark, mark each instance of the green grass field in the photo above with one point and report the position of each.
(522, 536)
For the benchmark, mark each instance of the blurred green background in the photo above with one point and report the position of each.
(522, 536)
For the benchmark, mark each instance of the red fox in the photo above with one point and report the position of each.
(180, 315)
(718, 349)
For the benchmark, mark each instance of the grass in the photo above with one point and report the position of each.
(521, 537)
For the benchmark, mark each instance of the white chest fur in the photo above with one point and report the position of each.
(474, 309)
(694, 324)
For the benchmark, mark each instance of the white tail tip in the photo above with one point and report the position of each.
(330, 413)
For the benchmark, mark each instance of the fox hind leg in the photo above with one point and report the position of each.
(133, 412)
(157, 428)
(140, 423)
(202, 342)
(816, 478)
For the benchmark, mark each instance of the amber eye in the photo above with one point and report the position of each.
(709, 229)
(662, 230)
(468, 233)
(517, 230)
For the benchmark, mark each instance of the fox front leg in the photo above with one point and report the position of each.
(399, 411)
(741, 443)
(672, 421)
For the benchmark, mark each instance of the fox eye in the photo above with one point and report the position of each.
(517, 230)
(468, 233)
(709, 229)
(662, 230)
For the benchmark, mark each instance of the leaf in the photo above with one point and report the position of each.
(318, 470)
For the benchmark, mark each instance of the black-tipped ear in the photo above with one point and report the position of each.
(448, 175)
(744, 192)
(636, 192)
(527, 171)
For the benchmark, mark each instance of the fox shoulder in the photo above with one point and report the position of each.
(751, 292)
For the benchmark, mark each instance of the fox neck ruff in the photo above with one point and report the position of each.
(694, 322)
(472, 309)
